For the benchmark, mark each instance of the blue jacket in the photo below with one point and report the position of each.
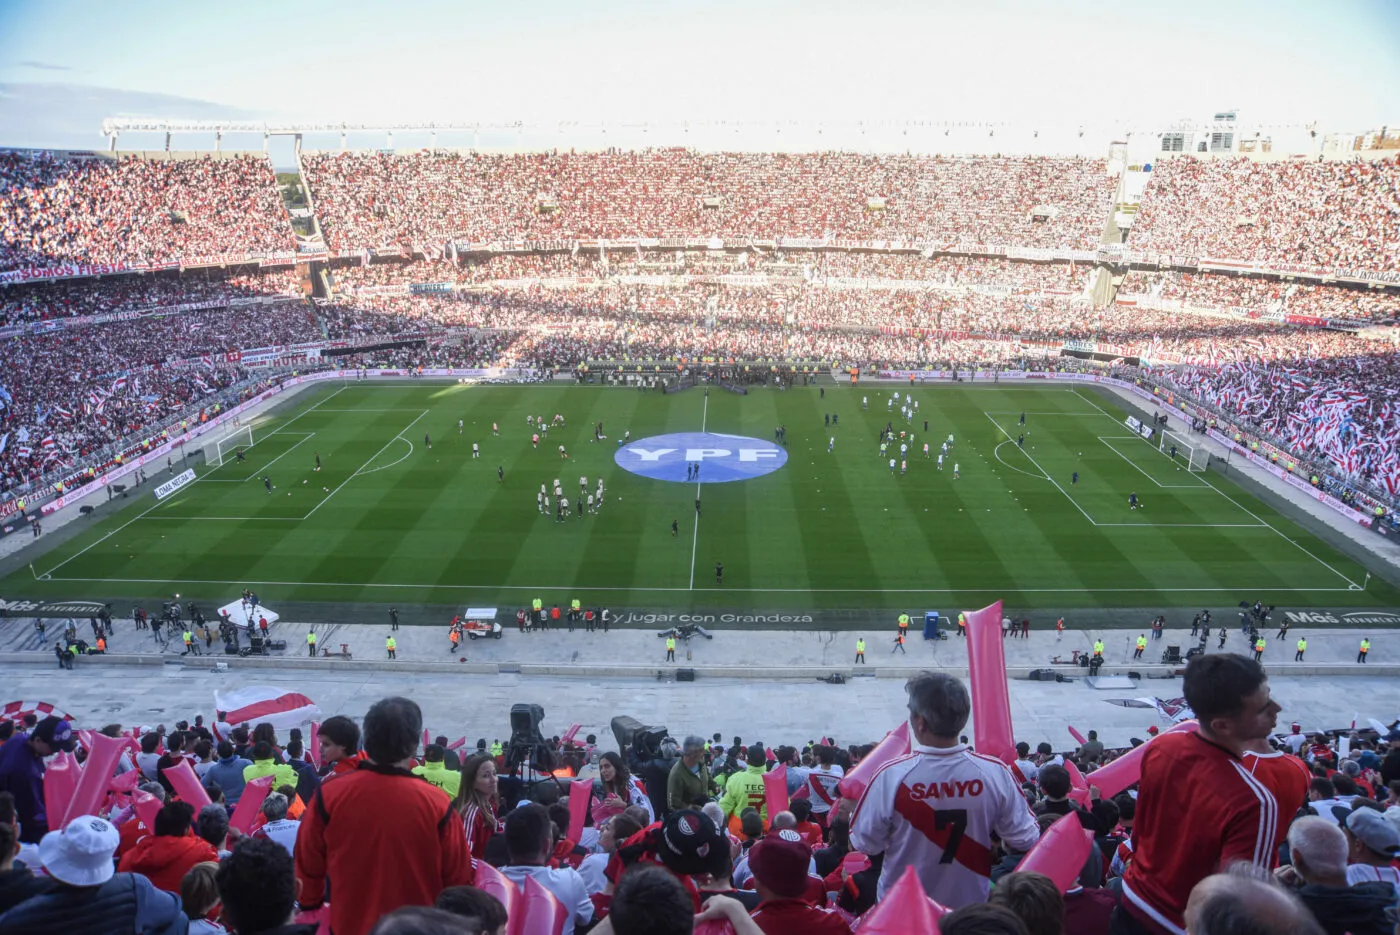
(127, 904)
(22, 775)
(228, 773)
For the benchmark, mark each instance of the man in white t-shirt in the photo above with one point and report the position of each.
(822, 781)
(1322, 799)
(1024, 764)
(1296, 741)
(529, 840)
(938, 808)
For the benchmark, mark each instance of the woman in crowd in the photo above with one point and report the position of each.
(478, 802)
(615, 789)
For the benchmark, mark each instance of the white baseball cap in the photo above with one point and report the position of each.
(81, 854)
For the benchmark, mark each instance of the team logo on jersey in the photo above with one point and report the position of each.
(703, 457)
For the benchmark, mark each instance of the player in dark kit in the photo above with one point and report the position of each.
(675, 528)
(318, 460)
(1132, 501)
(427, 442)
(267, 482)
(719, 572)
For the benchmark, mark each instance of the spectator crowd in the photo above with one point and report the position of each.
(56, 210)
(368, 827)
(1304, 213)
(1260, 294)
(82, 298)
(429, 198)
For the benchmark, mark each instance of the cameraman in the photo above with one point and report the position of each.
(647, 760)
(688, 785)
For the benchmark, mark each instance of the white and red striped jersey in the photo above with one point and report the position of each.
(821, 785)
(936, 810)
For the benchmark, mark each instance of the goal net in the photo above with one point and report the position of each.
(223, 448)
(1187, 452)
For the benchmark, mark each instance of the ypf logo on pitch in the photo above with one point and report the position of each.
(721, 458)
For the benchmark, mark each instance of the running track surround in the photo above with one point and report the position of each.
(722, 458)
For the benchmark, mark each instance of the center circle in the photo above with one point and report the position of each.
(703, 457)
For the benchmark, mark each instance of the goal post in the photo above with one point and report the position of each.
(1189, 453)
(218, 449)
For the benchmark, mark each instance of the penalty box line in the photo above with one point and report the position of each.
(239, 480)
(1256, 525)
(368, 461)
(1352, 585)
(1039, 468)
(1137, 467)
(262, 519)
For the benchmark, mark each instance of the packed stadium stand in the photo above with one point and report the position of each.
(380, 199)
(1308, 213)
(95, 211)
(1261, 291)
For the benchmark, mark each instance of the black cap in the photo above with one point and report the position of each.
(686, 840)
(55, 732)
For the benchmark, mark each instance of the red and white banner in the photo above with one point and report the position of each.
(17, 710)
(263, 703)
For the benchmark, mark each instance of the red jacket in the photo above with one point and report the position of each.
(165, 860)
(796, 917)
(130, 832)
(377, 839)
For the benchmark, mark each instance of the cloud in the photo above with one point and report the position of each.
(69, 116)
(44, 66)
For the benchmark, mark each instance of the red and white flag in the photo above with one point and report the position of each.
(258, 703)
(16, 710)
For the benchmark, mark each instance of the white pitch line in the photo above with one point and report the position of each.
(1040, 469)
(401, 409)
(240, 519)
(538, 587)
(1192, 525)
(997, 453)
(392, 463)
(1137, 467)
(1238, 505)
(695, 536)
(368, 461)
(308, 412)
(281, 456)
(1286, 538)
(109, 535)
(1101, 409)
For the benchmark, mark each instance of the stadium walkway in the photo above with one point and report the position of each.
(771, 710)
(755, 654)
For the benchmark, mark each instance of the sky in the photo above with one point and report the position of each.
(762, 67)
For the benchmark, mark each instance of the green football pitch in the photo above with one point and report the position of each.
(389, 520)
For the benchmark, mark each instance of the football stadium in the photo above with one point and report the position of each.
(451, 482)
